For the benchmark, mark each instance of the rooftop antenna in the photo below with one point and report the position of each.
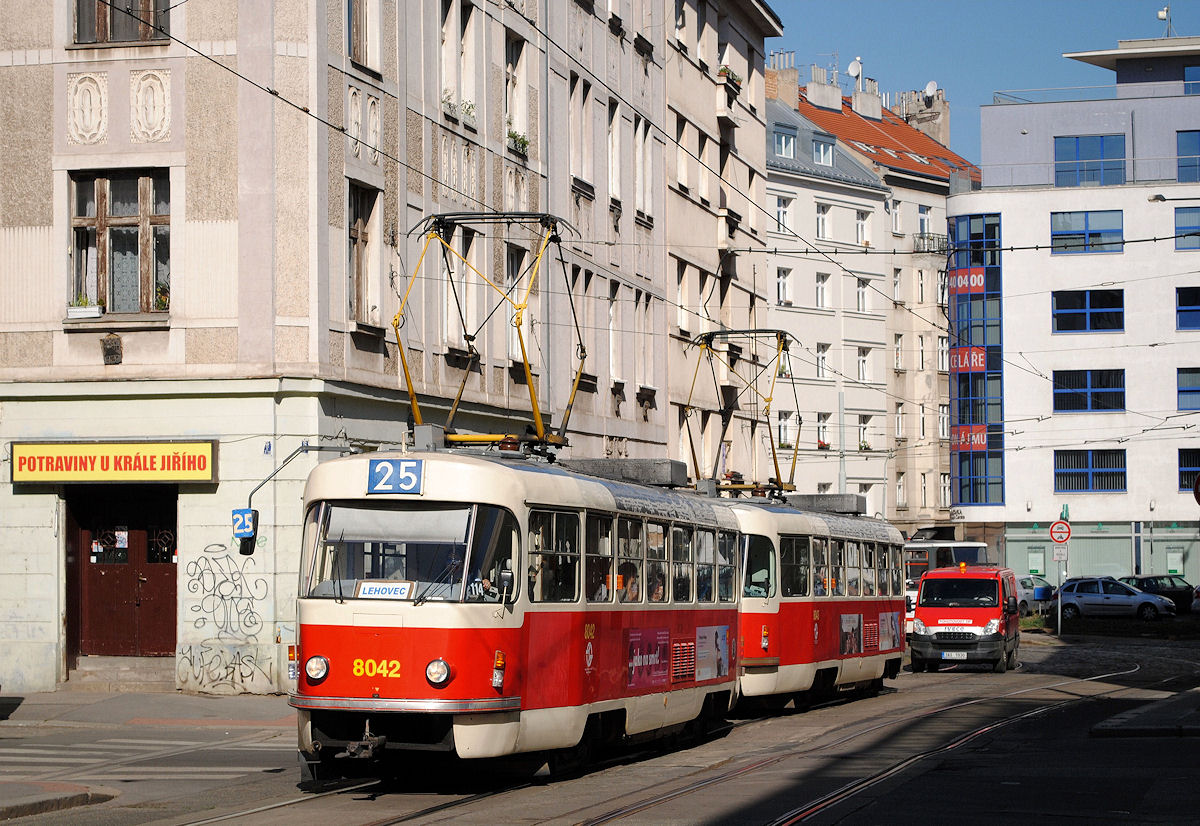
(930, 91)
(855, 71)
(1165, 14)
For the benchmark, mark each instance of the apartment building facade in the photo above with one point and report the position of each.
(209, 218)
(1074, 299)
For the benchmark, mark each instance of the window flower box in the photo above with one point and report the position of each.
(822, 445)
(84, 310)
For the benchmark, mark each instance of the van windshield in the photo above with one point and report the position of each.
(959, 593)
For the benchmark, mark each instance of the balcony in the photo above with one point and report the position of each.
(930, 242)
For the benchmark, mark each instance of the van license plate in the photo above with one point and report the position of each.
(954, 655)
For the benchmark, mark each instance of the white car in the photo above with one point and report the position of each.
(1027, 603)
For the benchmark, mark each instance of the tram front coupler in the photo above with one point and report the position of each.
(365, 748)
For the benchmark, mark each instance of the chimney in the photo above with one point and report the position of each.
(930, 113)
(821, 92)
(781, 80)
(866, 101)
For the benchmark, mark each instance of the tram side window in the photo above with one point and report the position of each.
(682, 567)
(493, 543)
(598, 558)
(820, 560)
(895, 556)
(629, 566)
(868, 569)
(853, 580)
(656, 562)
(705, 560)
(793, 566)
(837, 572)
(554, 556)
(760, 567)
(882, 573)
(726, 565)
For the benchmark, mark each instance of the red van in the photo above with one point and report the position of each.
(966, 614)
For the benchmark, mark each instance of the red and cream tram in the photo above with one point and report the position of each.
(821, 604)
(493, 606)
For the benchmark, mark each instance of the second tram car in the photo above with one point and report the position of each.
(490, 606)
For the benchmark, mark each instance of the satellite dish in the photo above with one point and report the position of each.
(931, 89)
(855, 67)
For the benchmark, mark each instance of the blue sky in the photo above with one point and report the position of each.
(972, 48)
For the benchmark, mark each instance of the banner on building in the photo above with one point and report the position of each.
(165, 461)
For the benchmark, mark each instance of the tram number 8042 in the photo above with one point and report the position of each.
(375, 668)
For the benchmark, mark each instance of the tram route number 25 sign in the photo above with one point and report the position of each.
(395, 475)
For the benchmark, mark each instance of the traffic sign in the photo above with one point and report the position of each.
(1060, 531)
(1060, 553)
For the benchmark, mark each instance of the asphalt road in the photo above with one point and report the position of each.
(919, 752)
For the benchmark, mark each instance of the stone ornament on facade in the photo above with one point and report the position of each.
(354, 128)
(373, 127)
(150, 106)
(87, 108)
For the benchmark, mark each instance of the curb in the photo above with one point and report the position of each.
(42, 797)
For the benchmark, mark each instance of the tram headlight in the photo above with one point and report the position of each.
(437, 672)
(317, 668)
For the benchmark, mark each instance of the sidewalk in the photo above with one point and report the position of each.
(87, 709)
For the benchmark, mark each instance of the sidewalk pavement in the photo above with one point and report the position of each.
(87, 709)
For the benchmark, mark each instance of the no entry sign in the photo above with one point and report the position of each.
(1060, 531)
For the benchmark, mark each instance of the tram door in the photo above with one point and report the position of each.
(125, 557)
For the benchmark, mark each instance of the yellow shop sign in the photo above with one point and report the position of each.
(114, 461)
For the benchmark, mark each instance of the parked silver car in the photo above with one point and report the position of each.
(1027, 601)
(1106, 597)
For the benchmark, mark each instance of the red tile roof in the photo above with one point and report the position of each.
(890, 141)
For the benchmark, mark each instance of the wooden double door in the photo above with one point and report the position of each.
(121, 567)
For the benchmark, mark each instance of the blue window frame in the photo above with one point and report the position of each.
(1089, 471)
(980, 477)
(1187, 308)
(1075, 232)
(1088, 390)
(1187, 228)
(975, 240)
(1087, 311)
(1089, 159)
(978, 398)
(1191, 80)
(1189, 468)
(1187, 153)
(1188, 383)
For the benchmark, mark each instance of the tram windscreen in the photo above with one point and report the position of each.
(451, 552)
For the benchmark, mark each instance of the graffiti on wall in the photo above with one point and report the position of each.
(225, 612)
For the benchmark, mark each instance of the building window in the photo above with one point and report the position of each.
(943, 288)
(943, 354)
(1187, 308)
(920, 421)
(822, 361)
(121, 223)
(362, 27)
(514, 269)
(864, 431)
(514, 86)
(360, 253)
(924, 490)
(943, 421)
(895, 210)
(130, 21)
(1080, 160)
(898, 362)
(901, 491)
(1187, 152)
(923, 219)
(614, 150)
(581, 129)
(944, 490)
(1089, 471)
(783, 286)
(823, 430)
(864, 363)
(1187, 228)
(682, 158)
(899, 420)
(643, 168)
(785, 144)
(458, 59)
(1089, 390)
(459, 296)
(860, 295)
(1189, 468)
(787, 431)
(1073, 232)
(1188, 381)
(702, 170)
(822, 221)
(822, 149)
(1087, 311)
(783, 209)
(920, 352)
(784, 371)
(860, 228)
(897, 285)
(920, 286)
(1191, 80)
(821, 298)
